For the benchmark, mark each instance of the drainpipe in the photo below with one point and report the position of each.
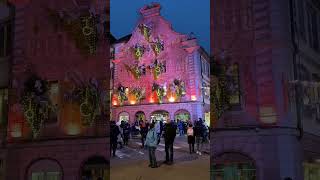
(295, 70)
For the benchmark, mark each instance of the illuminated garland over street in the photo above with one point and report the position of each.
(35, 103)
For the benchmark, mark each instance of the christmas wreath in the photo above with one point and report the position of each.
(89, 104)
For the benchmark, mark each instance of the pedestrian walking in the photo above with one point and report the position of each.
(126, 133)
(120, 137)
(191, 138)
(198, 133)
(151, 144)
(114, 132)
(180, 126)
(143, 132)
(169, 135)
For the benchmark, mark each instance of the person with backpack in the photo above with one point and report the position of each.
(191, 139)
(151, 143)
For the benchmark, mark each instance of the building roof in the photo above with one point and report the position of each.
(124, 39)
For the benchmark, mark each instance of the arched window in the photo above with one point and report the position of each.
(45, 169)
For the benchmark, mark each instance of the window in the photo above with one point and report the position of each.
(235, 85)
(54, 99)
(302, 28)
(45, 176)
(313, 28)
(5, 38)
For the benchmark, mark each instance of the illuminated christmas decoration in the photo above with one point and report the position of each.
(138, 93)
(35, 103)
(89, 105)
(73, 129)
(157, 68)
(171, 99)
(122, 94)
(193, 97)
(159, 90)
(178, 86)
(138, 51)
(136, 71)
(157, 46)
(145, 31)
(82, 29)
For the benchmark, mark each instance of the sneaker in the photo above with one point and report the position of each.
(200, 153)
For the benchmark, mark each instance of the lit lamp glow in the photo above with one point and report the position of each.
(73, 129)
(132, 102)
(16, 131)
(151, 100)
(193, 97)
(171, 99)
(114, 103)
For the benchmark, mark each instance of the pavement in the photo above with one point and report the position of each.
(131, 162)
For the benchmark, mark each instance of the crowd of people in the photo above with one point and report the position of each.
(151, 133)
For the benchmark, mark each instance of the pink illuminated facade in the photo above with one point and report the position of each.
(159, 73)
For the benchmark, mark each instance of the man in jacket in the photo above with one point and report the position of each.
(114, 132)
(170, 130)
(151, 143)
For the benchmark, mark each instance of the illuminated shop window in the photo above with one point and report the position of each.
(235, 86)
(54, 99)
(46, 176)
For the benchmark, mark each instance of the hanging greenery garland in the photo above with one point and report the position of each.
(160, 91)
(136, 71)
(145, 31)
(138, 51)
(157, 68)
(122, 94)
(221, 91)
(139, 93)
(82, 29)
(157, 46)
(179, 88)
(89, 104)
(35, 103)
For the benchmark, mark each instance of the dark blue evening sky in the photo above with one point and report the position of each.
(185, 15)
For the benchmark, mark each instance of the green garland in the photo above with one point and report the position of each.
(139, 93)
(89, 105)
(135, 71)
(160, 91)
(83, 31)
(180, 89)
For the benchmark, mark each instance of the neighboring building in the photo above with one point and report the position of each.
(159, 73)
(272, 133)
(57, 123)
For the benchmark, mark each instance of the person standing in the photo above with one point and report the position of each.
(151, 144)
(191, 139)
(180, 126)
(120, 136)
(114, 132)
(170, 130)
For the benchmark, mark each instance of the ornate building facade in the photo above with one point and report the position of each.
(58, 101)
(273, 132)
(159, 73)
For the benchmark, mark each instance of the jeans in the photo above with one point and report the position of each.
(152, 156)
(169, 152)
(191, 148)
(199, 143)
(114, 147)
(181, 132)
(143, 139)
